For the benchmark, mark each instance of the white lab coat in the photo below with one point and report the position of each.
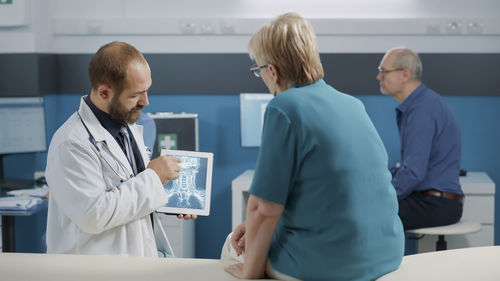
(92, 210)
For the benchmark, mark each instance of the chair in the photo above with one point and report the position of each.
(461, 227)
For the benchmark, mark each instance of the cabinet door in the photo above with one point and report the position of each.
(181, 235)
(479, 208)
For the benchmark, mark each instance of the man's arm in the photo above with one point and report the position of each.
(416, 147)
(76, 182)
(261, 220)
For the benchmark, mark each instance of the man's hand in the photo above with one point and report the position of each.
(167, 168)
(238, 239)
(187, 217)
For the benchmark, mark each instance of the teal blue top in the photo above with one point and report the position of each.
(323, 160)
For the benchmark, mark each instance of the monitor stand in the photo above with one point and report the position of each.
(11, 184)
(8, 238)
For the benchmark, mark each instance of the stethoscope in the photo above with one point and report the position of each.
(102, 155)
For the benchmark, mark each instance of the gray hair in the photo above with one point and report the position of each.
(407, 59)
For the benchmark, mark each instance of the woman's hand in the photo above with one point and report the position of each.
(238, 239)
(235, 269)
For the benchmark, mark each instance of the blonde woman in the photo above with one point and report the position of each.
(321, 203)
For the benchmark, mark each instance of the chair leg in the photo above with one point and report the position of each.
(441, 243)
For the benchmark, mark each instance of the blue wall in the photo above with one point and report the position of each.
(219, 131)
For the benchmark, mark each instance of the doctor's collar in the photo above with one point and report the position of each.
(105, 119)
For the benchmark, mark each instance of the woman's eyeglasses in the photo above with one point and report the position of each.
(255, 69)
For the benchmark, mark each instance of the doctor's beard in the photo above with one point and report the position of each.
(120, 114)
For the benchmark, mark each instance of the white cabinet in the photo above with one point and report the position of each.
(240, 186)
(479, 205)
(181, 235)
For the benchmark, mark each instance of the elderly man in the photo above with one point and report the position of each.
(426, 181)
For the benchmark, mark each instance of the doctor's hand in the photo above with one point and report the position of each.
(167, 168)
(238, 239)
(186, 217)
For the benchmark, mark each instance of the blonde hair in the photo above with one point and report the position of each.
(290, 44)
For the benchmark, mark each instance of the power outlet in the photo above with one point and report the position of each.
(454, 27)
(228, 26)
(207, 27)
(188, 26)
(38, 174)
(475, 27)
(433, 27)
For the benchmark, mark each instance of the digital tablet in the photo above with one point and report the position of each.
(190, 192)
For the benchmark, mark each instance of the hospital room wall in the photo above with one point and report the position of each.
(220, 133)
(75, 26)
(219, 122)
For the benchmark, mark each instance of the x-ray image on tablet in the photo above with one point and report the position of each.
(190, 192)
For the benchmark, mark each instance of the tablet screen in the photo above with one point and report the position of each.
(190, 193)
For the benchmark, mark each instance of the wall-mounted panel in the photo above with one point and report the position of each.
(448, 74)
(247, 26)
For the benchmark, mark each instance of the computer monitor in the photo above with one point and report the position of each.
(22, 126)
(252, 109)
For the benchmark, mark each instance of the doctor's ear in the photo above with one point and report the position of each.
(104, 92)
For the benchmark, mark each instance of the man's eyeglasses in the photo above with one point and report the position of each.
(383, 72)
(255, 69)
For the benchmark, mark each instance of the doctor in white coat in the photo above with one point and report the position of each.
(98, 203)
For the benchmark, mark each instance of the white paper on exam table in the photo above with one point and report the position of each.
(34, 192)
(19, 202)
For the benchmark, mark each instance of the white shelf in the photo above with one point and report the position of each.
(240, 186)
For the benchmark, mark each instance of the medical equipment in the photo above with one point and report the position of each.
(190, 193)
(106, 156)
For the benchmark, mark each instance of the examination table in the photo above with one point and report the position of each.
(481, 263)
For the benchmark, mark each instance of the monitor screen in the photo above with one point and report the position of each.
(22, 125)
(252, 109)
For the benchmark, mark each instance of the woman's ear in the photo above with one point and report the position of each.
(275, 73)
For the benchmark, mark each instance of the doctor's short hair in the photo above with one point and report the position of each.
(109, 65)
(405, 58)
(289, 43)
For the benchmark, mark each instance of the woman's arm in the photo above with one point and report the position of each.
(261, 220)
(256, 232)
